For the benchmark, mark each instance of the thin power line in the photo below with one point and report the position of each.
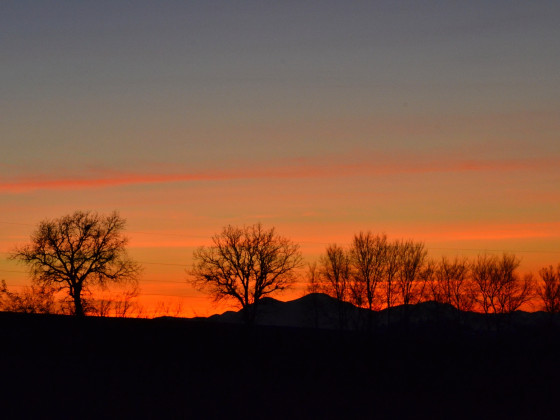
(178, 295)
(167, 234)
(15, 285)
(164, 281)
(301, 242)
(161, 263)
(16, 223)
(141, 262)
(496, 250)
(127, 231)
(482, 250)
(142, 280)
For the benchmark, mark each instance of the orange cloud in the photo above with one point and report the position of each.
(300, 168)
(498, 232)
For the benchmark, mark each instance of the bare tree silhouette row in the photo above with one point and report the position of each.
(72, 261)
(376, 273)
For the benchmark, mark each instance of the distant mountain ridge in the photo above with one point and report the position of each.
(318, 310)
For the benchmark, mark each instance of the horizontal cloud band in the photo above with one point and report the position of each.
(301, 169)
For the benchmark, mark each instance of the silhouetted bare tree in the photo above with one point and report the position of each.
(411, 258)
(246, 264)
(78, 251)
(485, 286)
(409, 280)
(391, 270)
(549, 289)
(34, 299)
(313, 279)
(368, 255)
(314, 286)
(120, 304)
(452, 283)
(167, 309)
(125, 305)
(498, 287)
(516, 291)
(335, 275)
(392, 267)
(432, 289)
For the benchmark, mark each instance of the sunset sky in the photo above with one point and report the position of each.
(438, 121)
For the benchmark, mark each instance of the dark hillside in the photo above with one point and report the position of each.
(61, 367)
(317, 310)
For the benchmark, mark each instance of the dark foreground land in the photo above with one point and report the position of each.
(60, 367)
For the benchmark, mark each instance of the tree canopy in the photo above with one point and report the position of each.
(77, 251)
(246, 264)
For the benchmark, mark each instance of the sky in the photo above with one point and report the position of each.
(437, 121)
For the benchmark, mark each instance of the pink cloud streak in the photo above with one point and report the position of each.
(319, 168)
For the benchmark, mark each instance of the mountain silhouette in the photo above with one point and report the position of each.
(318, 310)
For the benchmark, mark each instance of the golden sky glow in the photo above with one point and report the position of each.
(439, 123)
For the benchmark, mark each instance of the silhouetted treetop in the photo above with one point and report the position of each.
(77, 251)
(246, 264)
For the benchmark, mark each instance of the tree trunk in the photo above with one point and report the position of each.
(250, 314)
(78, 306)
